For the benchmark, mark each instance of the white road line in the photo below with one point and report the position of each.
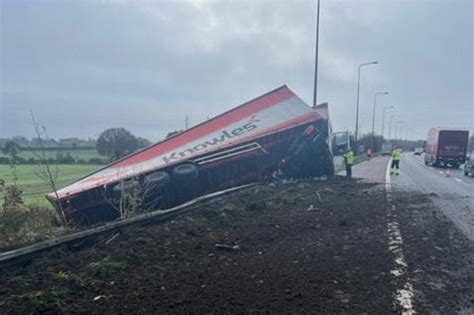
(458, 180)
(399, 270)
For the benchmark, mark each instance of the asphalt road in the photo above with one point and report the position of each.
(452, 193)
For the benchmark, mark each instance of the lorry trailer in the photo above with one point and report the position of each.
(446, 146)
(276, 133)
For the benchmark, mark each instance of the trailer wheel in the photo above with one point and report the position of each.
(185, 171)
(126, 186)
(157, 179)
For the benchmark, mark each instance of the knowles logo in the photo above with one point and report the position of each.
(222, 137)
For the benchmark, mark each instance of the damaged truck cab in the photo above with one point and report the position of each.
(274, 132)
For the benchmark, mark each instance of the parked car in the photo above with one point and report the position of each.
(469, 166)
(446, 147)
(271, 134)
(418, 151)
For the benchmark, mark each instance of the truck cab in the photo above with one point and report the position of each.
(469, 166)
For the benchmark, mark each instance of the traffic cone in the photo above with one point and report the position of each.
(448, 173)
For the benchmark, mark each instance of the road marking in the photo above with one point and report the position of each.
(458, 180)
(399, 270)
(441, 172)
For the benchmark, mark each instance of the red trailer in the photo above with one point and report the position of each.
(276, 132)
(446, 146)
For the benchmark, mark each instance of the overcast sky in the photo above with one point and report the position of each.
(84, 66)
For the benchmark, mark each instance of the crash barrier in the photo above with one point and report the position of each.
(158, 215)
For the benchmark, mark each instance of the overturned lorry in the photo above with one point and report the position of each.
(276, 133)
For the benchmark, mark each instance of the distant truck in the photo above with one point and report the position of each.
(469, 166)
(446, 147)
(386, 148)
(341, 142)
(276, 133)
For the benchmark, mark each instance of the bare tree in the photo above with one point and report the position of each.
(45, 171)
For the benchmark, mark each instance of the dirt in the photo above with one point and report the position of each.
(440, 258)
(314, 247)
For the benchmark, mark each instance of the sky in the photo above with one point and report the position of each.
(84, 66)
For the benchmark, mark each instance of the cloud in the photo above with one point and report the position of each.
(145, 65)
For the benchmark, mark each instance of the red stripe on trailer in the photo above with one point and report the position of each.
(306, 118)
(217, 123)
(311, 116)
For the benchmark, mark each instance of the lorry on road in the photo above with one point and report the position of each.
(446, 147)
(341, 142)
(387, 148)
(276, 133)
(469, 165)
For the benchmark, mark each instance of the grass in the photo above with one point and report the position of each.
(34, 188)
(84, 154)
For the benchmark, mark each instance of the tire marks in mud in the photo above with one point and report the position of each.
(399, 271)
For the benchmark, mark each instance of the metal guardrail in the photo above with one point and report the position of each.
(159, 215)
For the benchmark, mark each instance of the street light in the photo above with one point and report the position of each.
(390, 128)
(315, 93)
(373, 117)
(383, 117)
(398, 123)
(358, 95)
(373, 111)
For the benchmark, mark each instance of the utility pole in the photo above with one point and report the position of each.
(186, 123)
(373, 117)
(390, 128)
(315, 93)
(356, 133)
(383, 118)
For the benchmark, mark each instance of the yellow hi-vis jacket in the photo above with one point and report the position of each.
(349, 158)
(396, 154)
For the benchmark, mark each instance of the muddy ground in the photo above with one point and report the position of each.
(440, 258)
(318, 246)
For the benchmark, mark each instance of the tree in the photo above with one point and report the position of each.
(116, 142)
(142, 142)
(11, 148)
(45, 171)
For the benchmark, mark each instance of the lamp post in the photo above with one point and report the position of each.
(383, 118)
(373, 111)
(373, 116)
(390, 128)
(358, 96)
(397, 124)
(315, 93)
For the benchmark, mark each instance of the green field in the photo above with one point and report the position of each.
(84, 154)
(34, 188)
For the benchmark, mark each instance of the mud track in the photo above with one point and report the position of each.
(301, 247)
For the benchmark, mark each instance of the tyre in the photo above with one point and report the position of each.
(157, 179)
(185, 171)
(466, 173)
(126, 186)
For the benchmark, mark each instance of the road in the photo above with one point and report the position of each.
(434, 214)
(452, 192)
